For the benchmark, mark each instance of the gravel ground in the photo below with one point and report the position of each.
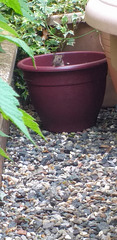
(66, 189)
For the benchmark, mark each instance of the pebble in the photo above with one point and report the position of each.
(66, 189)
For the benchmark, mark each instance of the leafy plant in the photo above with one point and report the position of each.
(38, 34)
(9, 106)
(20, 85)
(20, 8)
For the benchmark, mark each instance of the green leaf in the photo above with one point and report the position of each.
(27, 15)
(6, 27)
(19, 6)
(67, 33)
(30, 123)
(9, 106)
(64, 30)
(2, 18)
(3, 154)
(14, 4)
(58, 26)
(19, 43)
(64, 19)
(3, 134)
(70, 41)
(74, 18)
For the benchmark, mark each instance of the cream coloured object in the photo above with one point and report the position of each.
(102, 15)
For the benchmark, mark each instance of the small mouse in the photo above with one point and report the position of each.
(58, 60)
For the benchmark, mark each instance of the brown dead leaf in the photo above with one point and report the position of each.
(104, 146)
(11, 229)
(45, 150)
(45, 34)
(108, 148)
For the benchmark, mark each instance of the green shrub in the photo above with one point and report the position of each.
(37, 33)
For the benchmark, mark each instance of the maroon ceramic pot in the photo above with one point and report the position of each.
(67, 98)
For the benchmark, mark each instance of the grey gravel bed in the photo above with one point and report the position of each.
(66, 189)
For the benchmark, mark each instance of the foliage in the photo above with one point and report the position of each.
(20, 86)
(20, 7)
(39, 35)
(9, 106)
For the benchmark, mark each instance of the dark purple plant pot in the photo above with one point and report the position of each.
(67, 98)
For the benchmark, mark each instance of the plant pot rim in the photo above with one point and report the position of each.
(28, 67)
(102, 15)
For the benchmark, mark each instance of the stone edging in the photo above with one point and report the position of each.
(57, 18)
(7, 61)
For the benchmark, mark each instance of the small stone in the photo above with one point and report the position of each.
(66, 188)
(37, 224)
(77, 221)
(17, 238)
(76, 203)
(54, 230)
(75, 163)
(76, 231)
(68, 147)
(85, 135)
(28, 235)
(23, 238)
(8, 238)
(21, 232)
(67, 237)
(31, 194)
(105, 159)
(74, 177)
(103, 225)
(31, 167)
(113, 221)
(84, 234)
(60, 157)
(47, 224)
(1, 203)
